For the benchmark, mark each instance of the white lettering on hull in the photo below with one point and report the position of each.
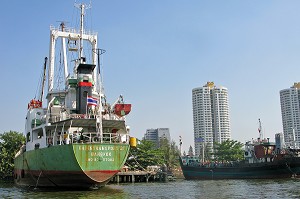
(101, 153)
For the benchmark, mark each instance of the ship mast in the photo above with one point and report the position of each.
(73, 35)
(63, 43)
(260, 130)
(81, 32)
(82, 8)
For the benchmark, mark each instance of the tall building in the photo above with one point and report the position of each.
(155, 135)
(210, 117)
(290, 113)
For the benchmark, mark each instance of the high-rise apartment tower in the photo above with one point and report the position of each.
(290, 113)
(210, 117)
(156, 135)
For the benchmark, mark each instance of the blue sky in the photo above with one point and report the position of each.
(158, 51)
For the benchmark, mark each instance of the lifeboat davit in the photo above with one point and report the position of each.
(122, 109)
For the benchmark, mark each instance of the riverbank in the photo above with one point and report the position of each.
(177, 172)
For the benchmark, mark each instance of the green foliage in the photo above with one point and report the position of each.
(208, 152)
(229, 150)
(191, 151)
(10, 143)
(145, 154)
(171, 153)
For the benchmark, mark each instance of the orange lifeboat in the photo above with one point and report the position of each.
(34, 104)
(122, 109)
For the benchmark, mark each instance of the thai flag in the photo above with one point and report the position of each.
(91, 101)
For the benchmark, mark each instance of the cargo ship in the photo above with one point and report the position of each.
(76, 139)
(262, 160)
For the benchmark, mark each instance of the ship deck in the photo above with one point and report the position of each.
(90, 122)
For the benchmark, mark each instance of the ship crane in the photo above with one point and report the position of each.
(44, 79)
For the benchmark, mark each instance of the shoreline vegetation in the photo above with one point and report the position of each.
(10, 143)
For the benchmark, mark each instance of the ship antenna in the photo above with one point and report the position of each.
(82, 7)
(99, 52)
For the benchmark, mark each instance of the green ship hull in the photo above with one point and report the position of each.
(73, 165)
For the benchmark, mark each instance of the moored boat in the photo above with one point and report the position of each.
(77, 139)
(262, 160)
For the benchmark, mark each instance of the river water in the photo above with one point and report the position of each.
(179, 189)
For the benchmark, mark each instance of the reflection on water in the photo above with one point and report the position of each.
(11, 191)
(180, 189)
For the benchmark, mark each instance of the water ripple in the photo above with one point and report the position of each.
(220, 189)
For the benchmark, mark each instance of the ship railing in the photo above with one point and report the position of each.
(93, 137)
(61, 117)
(88, 138)
(65, 116)
(57, 118)
(112, 117)
(73, 30)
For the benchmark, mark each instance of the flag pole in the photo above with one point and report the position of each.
(86, 105)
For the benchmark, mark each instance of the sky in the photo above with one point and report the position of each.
(157, 52)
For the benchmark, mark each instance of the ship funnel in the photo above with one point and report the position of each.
(84, 87)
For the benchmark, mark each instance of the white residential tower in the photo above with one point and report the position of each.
(290, 113)
(210, 117)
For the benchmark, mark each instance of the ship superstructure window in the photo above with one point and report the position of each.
(40, 134)
(37, 134)
(28, 137)
(85, 94)
(86, 78)
(59, 100)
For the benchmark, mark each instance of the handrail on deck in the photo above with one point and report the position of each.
(88, 137)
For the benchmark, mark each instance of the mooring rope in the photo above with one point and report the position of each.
(38, 180)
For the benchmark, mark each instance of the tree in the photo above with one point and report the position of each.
(144, 155)
(229, 150)
(10, 143)
(171, 153)
(191, 151)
